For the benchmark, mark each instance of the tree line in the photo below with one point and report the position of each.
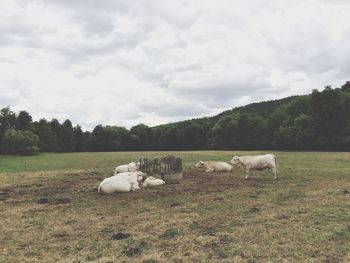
(318, 121)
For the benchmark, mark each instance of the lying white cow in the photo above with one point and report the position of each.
(151, 181)
(122, 182)
(212, 166)
(258, 162)
(131, 167)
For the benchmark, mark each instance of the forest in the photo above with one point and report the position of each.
(318, 121)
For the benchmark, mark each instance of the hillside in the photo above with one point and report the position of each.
(318, 121)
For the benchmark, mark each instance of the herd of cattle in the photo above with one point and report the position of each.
(128, 178)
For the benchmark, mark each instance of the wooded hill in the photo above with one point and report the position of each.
(318, 121)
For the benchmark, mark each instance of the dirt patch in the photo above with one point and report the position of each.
(3, 197)
(134, 249)
(22, 246)
(4, 191)
(58, 201)
(42, 201)
(61, 201)
(59, 235)
(254, 210)
(38, 210)
(283, 217)
(69, 222)
(120, 235)
(84, 184)
(175, 204)
(4, 194)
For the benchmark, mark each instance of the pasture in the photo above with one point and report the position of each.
(50, 211)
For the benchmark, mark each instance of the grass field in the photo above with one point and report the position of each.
(50, 211)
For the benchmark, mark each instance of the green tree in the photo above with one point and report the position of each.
(20, 142)
(67, 137)
(110, 138)
(275, 122)
(168, 139)
(141, 137)
(81, 139)
(24, 121)
(299, 105)
(285, 138)
(327, 114)
(191, 136)
(346, 87)
(57, 130)
(135, 143)
(7, 119)
(48, 138)
(223, 133)
(303, 132)
(244, 129)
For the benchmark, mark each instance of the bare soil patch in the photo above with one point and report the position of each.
(59, 191)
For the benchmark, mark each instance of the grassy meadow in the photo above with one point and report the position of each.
(51, 212)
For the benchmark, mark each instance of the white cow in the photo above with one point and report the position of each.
(212, 166)
(131, 167)
(122, 182)
(258, 162)
(151, 181)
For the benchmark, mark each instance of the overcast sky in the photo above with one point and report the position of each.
(124, 62)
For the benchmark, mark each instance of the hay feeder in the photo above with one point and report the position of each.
(168, 168)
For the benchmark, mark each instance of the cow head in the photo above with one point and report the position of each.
(200, 164)
(137, 166)
(141, 177)
(235, 160)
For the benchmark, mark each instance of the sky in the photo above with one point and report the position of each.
(117, 62)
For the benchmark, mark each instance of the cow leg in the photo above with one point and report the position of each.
(247, 174)
(134, 188)
(209, 170)
(275, 172)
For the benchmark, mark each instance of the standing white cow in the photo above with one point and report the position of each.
(258, 162)
(131, 167)
(212, 166)
(151, 181)
(122, 182)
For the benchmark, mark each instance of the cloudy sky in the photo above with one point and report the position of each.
(124, 62)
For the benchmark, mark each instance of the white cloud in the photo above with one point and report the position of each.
(125, 62)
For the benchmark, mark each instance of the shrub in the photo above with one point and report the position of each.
(20, 142)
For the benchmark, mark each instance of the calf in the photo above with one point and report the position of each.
(131, 167)
(151, 181)
(215, 166)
